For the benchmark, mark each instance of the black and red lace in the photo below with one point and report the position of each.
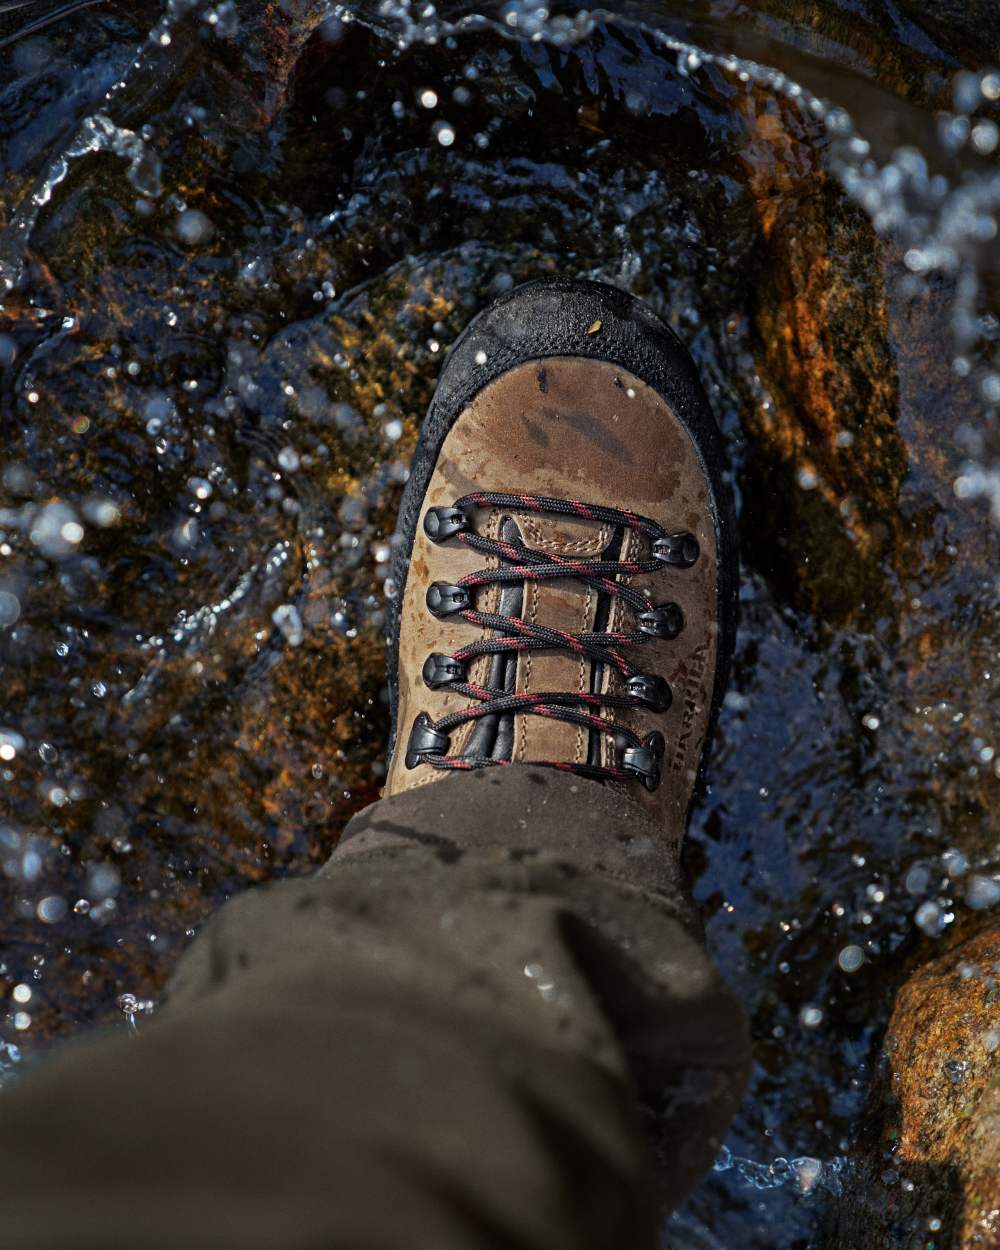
(640, 758)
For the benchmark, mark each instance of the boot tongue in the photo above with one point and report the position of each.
(567, 605)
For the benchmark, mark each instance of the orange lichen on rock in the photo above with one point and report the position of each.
(936, 1164)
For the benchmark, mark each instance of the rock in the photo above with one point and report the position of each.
(826, 431)
(926, 1171)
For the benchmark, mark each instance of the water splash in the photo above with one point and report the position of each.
(10, 1063)
(97, 133)
(940, 224)
(806, 1175)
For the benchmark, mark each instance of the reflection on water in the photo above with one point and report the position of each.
(237, 242)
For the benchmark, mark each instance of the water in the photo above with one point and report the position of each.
(236, 249)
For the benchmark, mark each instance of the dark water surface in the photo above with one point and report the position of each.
(235, 244)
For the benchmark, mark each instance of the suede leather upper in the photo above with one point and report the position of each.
(584, 428)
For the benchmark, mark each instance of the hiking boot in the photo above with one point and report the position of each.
(567, 580)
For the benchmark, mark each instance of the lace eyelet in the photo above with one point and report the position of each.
(645, 762)
(440, 524)
(653, 691)
(441, 670)
(425, 740)
(679, 550)
(445, 598)
(665, 621)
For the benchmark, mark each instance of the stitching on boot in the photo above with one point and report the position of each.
(592, 545)
(532, 590)
(581, 736)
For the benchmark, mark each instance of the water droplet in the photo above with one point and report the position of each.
(955, 863)
(930, 919)
(917, 879)
(982, 892)
(55, 530)
(444, 132)
(193, 227)
(10, 608)
(966, 90)
(955, 1069)
(985, 135)
(851, 958)
(103, 881)
(289, 622)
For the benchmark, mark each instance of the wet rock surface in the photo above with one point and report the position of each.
(927, 1174)
(233, 280)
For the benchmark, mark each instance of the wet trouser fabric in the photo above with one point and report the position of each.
(489, 1022)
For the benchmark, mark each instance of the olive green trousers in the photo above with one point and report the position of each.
(489, 1022)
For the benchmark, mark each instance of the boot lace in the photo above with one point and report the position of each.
(640, 758)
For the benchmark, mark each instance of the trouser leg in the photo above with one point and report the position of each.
(489, 1022)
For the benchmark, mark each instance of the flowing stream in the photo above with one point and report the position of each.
(236, 241)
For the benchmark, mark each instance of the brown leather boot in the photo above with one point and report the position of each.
(567, 585)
